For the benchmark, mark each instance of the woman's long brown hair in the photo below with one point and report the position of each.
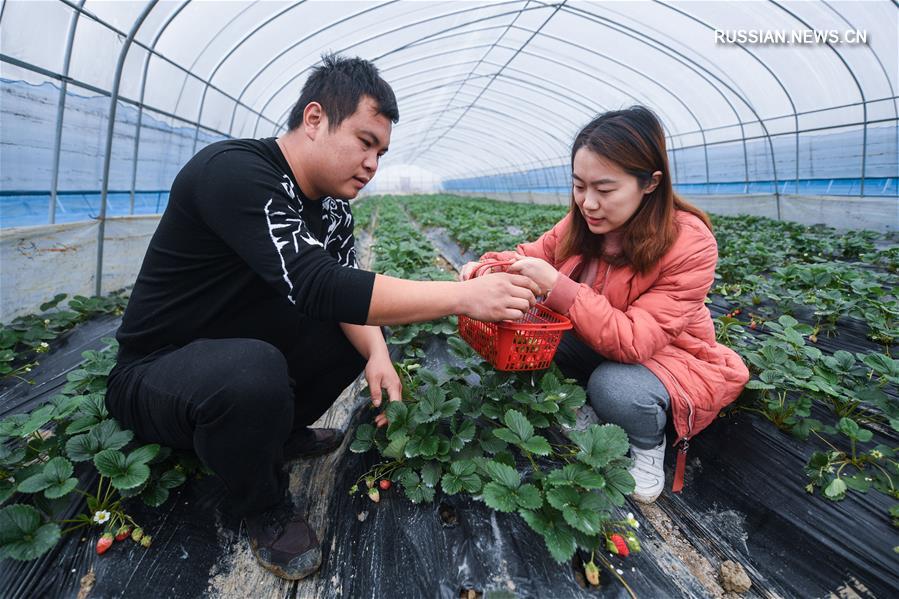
(634, 140)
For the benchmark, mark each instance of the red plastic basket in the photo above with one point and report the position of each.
(526, 344)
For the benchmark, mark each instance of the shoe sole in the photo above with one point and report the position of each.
(647, 499)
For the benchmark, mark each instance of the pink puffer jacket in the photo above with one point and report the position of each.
(658, 319)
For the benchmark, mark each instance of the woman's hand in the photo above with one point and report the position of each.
(466, 271)
(537, 270)
(469, 267)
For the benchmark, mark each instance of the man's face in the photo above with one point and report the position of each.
(348, 156)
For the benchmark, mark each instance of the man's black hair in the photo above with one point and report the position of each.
(338, 85)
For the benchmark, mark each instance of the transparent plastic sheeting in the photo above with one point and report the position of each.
(39, 262)
(484, 88)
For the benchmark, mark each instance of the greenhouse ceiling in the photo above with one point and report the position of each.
(483, 87)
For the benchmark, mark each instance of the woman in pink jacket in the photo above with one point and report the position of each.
(630, 265)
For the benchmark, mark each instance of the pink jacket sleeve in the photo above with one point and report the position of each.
(656, 317)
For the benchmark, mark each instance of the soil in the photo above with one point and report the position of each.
(681, 548)
(734, 578)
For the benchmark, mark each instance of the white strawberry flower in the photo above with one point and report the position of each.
(101, 516)
(632, 521)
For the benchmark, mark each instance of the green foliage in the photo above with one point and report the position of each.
(45, 455)
(492, 441)
(26, 337)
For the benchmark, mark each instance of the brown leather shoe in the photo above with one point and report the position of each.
(283, 542)
(311, 442)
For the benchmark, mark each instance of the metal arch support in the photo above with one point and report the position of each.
(468, 136)
(770, 72)
(467, 142)
(140, 110)
(143, 46)
(99, 91)
(404, 26)
(265, 67)
(695, 68)
(225, 58)
(541, 90)
(107, 159)
(591, 51)
(478, 63)
(858, 85)
(589, 108)
(567, 42)
(518, 51)
(212, 39)
(501, 115)
(886, 75)
(60, 112)
(702, 72)
(546, 149)
(418, 117)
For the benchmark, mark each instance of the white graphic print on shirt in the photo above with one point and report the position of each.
(286, 230)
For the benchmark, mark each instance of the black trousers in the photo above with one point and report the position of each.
(236, 400)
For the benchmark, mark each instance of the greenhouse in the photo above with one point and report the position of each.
(557, 298)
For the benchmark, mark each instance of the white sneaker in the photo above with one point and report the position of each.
(648, 472)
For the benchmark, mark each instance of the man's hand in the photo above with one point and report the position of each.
(539, 271)
(380, 374)
(499, 296)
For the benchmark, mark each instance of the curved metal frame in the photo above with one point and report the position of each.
(394, 30)
(591, 108)
(140, 110)
(110, 129)
(860, 91)
(723, 86)
(60, 112)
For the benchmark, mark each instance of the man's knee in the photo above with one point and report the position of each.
(251, 383)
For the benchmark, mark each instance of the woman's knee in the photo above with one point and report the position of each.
(620, 393)
(251, 382)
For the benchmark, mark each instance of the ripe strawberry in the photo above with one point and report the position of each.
(738, 311)
(146, 540)
(592, 573)
(617, 545)
(137, 534)
(384, 484)
(124, 533)
(374, 494)
(104, 543)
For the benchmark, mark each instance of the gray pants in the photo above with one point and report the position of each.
(628, 395)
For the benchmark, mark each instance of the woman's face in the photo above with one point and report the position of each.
(606, 195)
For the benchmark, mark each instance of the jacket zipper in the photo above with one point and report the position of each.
(684, 442)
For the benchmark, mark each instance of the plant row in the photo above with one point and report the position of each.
(769, 272)
(27, 336)
(493, 436)
(70, 449)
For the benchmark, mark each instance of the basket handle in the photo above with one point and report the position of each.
(489, 264)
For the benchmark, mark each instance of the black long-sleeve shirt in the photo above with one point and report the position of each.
(238, 233)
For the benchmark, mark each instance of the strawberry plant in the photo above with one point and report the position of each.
(28, 336)
(52, 455)
(495, 441)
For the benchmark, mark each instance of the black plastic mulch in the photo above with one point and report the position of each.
(744, 500)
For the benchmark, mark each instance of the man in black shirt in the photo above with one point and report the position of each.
(249, 315)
